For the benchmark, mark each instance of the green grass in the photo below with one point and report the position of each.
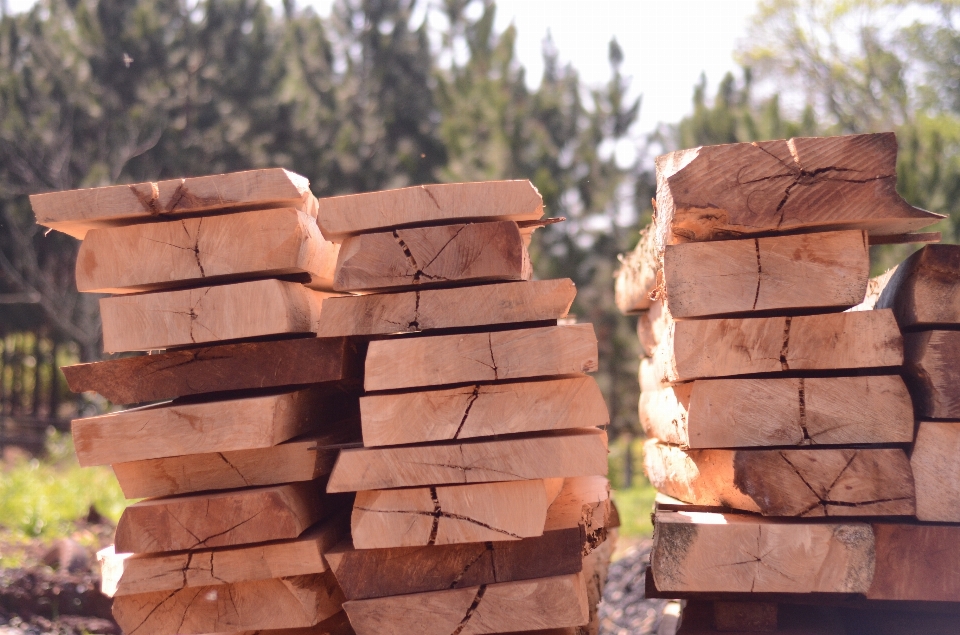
(44, 498)
(635, 502)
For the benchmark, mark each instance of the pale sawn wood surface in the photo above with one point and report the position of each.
(936, 470)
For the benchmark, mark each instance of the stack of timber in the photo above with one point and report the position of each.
(481, 499)
(779, 387)
(241, 410)
(358, 414)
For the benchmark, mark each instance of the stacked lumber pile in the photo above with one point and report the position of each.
(358, 414)
(781, 430)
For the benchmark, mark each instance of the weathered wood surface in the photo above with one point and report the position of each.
(595, 567)
(126, 574)
(575, 525)
(702, 617)
(550, 351)
(807, 483)
(494, 608)
(936, 470)
(208, 250)
(637, 276)
(462, 307)
(170, 430)
(433, 256)
(563, 453)
(426, 516)
(301, 459)
(166, 319)
(75, 212)
(741, 553)
(342, 216)
(221, 519)
(745, 616)
(932, 371)
(482, 410)
(807, 183)
(807, 272)
(924, 290)
(653, 326)
(725, 413)
(695, 349)
(281, 603)
(218, 368)
(916, 562)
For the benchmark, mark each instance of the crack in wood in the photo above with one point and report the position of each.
(487, 548)
(802, 398)
(466, 412)
(471, 610)
(437, 513)
(785, 348)
(756, 297)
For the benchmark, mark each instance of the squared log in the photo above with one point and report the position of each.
(924, 289)
(208, 250)
(552, 351)
(936, 470)
(932, 372)
(75, 212)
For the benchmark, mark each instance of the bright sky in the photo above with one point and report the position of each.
(667, 43)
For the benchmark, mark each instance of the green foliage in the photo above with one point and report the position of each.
(45, 498)
(635, 506)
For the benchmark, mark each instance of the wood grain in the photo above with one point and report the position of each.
(441, 515)
(75, 212)
(812, 183)
(740, 553)
(482, 410)
(806, 483)
(936, 470)
(170, 430)
(563, 453)
(463, 307)
(342, 216)
(653, 326)
(207, 250)
(807, 273)
(725, 413)
(481, 357)
(166, 319)
(433, 256)
(218, 368)
(924, 290)
(695, 349)
(636, 278)
(301, 459)
(130, 574)
(932, 372)
(554, 602)
(295, 602)
(916, 562)
(220, 519)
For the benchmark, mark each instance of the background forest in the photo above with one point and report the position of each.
(96, 92)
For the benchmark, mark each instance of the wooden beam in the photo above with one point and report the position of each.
(482, 410)
(563, 453)
(924, 291)
(788, 274)
(636, 278)
(780, 411)
(463, 307)
(573, 526)
(426, 516)
(75, 212)
(812, 183)
(907, 239)
(742, 553)
(751, 617)
(936, 470)
(916, 562)
(210, 250)
(551, 351)
(932, 372)
(433, 256)
(807, 483)
(166, 319)
(301, 459)
(127, 574)
(221, 519)
(218, 368)
(653, 326)
(492, 608)
(281, 603)
(696, 349)
(342, 216)
(180, 429)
